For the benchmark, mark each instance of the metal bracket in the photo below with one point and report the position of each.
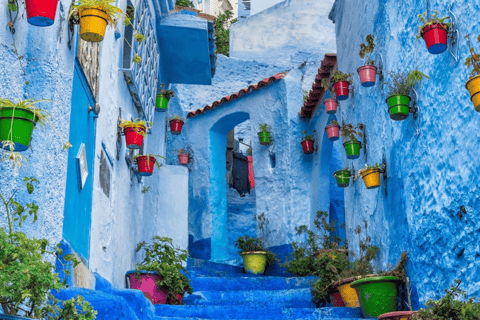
(351, 90)
(72, 21)
(315, 147)
(454, 35)
(415, 111)
(381, 72)
(385, 175)
(132, 167)
(191, 159)
(364, 142)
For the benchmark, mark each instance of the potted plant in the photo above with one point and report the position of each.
(134, 132)
(473, 83)
(176, 124)
(27, 277)
(41, 13)
(343, 177)
(146, 163)
(399, 92)
(351, 144)
(371, 175)
(264, 134)
(183, 156)
(163, 96)
(307, 143)
(341, 82)
(331, 103)
(368, 72)
(434, 31)
(161, 275)
(333, 130)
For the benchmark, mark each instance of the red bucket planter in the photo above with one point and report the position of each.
(341, 90)
(331, 106)
(435, 36)
(307, 146)
(41, 13)
(146, 282)
(368, 75)
(183, 158)
(134, 137)
(176, 126)
(333, 131)
(146, 165)
(336, 299)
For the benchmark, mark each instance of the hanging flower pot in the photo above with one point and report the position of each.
(134, 137)
(377, 295)
(349, 294)
(16, 125)
(145, 165)
(331, 106)
(398, 107)
(473, 87)
(397, 315)
(371, 177)
(368, 75)
(435, 36)
(254, 262)
(41, 13)
(163, 96)
(343, 179)
(264, 138)
(93, 23)
(183, 158)
(307, 146)
(336, 298)
(176, 125)
(145, 281)
(341, 90)
(352, 148)
(333, 131)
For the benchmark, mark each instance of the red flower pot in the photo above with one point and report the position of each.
(147, 284)
(41, 13)
(133, 137)
(336, 299)
(398, 315)
(176, 126)
(333, 131)
(331, 106)
(146, 165)
(183, 158)
(176, 302)
(307, 146)
(341, 90)
(435, 37)
(368, 75)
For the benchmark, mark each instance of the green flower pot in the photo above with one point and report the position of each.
(398, 107)
(353, 149)
(17, 125)
(378, 295)
(343, 178)
(264, 137)
(161, 103)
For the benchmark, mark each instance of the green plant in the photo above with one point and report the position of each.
(333, 121)
(307, 136)
(305, 96)
(180, 151)
(434, 19)
(454, 305)
(162, 257)
(166, 93)
(338, 75)
(12, 6)
(336, 174)
(377, 166)
(154, 156)
(367, 49)
(222, 32)
(145, 190)
(350, 133)
(402, 82)
(184, 3)
(474, 59)
(249, 151)
(139, 126)
(175, 118)
(325, 84)
(264, 127)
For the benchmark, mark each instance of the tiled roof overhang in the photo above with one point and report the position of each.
(317, 93)
(216, 104)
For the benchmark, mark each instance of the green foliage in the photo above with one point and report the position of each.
(325, 84)
(305, 96)
(113, 12)
(434, 19)
(401, 83)
(338, 75)
(377, 166)
(175, 118)
(184, 3)
(350, 133)
(307, 136)
(264, 127)
(154, 156)
(137, 59)
(166, 93)
(145, 189)
(333, 121)
(367, 49)
(337, 173)
(162, 257)
(222, 32)
(12, 6)
(450, 307)
(473, 61)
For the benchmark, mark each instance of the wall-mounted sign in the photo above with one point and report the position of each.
(82, 167)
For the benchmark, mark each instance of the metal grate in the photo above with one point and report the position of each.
(89, 57)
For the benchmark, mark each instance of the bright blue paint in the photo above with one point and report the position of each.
(40, 21)
(64, 268)
(78, 202)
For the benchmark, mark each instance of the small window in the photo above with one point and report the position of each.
(128, 38)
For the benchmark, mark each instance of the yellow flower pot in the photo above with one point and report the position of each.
(93, 22)
(371, 177)
(254, 262)
(473, 86)
(349, 294)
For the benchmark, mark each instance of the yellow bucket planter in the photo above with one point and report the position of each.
(93, 22)
(473, 86)
(371, 177)
(254, 262)
(349, 294)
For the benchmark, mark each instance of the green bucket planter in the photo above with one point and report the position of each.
(377, 295)
(161, 103)
(398, 107)
(353, 149)
(264, 137)
(343, 178)
(16, 124)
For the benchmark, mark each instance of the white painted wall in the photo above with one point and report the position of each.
(260, 5)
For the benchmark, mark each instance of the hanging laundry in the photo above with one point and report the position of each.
(240, 174)
(251, 175)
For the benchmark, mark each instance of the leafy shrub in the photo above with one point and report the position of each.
(222, 32)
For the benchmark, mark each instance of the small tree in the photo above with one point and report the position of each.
(367, 49)
(184, 3)
(222, 32)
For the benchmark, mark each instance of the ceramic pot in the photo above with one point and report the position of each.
(377, 295)
(435, 36)
(254, 262)
(17, 124)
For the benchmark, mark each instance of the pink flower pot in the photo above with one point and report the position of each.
(183, 158)
(336, 298)
(307, 146)
(146, 283)
(331, 106)
(341, 90)
(333, 131)
(368, 75)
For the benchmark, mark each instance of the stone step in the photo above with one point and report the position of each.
(245, 312)
(309, 318)
(293, 298)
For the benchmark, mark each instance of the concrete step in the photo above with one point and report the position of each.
(176, 318)
(248, 283)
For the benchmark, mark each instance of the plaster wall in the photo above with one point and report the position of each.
(260, 5)
(431, 175)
